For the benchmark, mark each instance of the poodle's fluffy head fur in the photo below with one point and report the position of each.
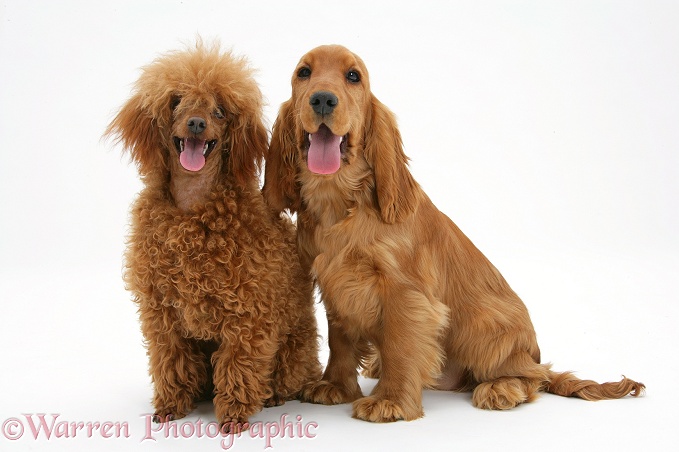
(193, 110)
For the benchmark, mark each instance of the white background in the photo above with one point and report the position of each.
(548, 131)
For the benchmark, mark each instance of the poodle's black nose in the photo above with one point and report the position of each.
(196, 125)
(323, 102)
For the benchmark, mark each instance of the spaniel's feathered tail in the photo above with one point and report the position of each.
(568, 385)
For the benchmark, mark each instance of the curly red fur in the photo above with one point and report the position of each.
(225, 307)
(408, 296)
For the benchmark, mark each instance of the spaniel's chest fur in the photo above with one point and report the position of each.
(352, 269)
(354, 255)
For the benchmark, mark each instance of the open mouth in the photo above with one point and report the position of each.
(193, 152)
(325, 150)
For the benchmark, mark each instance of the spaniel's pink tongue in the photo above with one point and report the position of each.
(324, 151)
(192, 158)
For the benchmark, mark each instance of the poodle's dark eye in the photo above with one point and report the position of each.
(353, 77)
(220, 113)
(304, 72)
(175, 102)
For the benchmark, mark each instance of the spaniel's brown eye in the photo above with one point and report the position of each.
(220, 113)
(304, 72)
(353, 77)
(174, 103)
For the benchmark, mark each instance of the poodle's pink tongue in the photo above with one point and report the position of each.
(324, 151)
(191, 157)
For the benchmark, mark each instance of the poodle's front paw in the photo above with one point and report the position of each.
(168, 411)
(233, 416)
(329, 393)
(274, 400)
(233, 426)
(162, 418)
(375, 409)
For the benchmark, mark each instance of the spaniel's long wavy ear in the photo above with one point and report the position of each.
(248, 142)
(136, 128)
(396, 188)
(281, 188)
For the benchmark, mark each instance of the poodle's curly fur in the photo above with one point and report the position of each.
(225, 307)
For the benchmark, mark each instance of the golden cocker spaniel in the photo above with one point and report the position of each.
(408, 296)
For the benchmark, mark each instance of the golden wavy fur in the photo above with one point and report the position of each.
(225, 307)
(408, 296)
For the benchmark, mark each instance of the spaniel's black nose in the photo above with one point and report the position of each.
(323, 102)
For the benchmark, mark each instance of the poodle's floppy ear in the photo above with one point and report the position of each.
(134, 127)
(396, 188)
(281, 189)
(249, 139)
